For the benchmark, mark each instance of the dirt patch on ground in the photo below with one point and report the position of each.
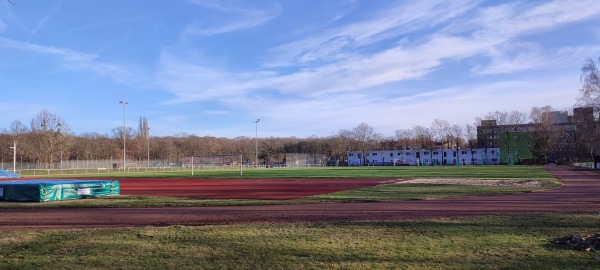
(475, 182)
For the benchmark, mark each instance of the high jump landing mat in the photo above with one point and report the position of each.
(44, 190)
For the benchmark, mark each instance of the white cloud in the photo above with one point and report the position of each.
(330, 80)
(517, 19)
(75, 60)
(392, 23)
(530, 56)
(458, 104)
(234, 17)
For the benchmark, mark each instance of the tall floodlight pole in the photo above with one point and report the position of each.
(14, 148)
(124, 133)
(256, 143)
(148, 134)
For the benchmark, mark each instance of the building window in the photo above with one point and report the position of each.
(474, 152)
(435, 153)
(425, 153)
(493, 152)
(408, 153)
(391, 154)
(445, 154)
(399, 153)
(453, 154)
(463, 152)
(374, 154)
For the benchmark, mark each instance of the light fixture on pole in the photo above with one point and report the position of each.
(124, 133)
(256, 143)
(14, 148)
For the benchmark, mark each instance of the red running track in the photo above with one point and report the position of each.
(259, 189)
(581, 193)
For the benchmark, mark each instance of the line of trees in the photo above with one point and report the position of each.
(48, 139)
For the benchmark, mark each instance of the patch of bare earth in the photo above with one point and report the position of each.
(474, 182)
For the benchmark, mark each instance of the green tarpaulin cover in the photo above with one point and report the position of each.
(44, 190)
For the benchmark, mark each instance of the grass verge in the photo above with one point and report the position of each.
(467, 172)
(503, 242)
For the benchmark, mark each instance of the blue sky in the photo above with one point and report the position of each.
(304, 68)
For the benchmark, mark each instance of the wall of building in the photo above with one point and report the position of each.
(516, 147)
(423, 157)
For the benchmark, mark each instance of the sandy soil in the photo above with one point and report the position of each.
(475, 182)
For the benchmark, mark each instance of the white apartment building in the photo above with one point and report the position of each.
(422, 157)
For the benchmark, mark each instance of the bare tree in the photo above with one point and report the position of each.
(49, 129)
(471, 136)
(424, 139)
(505, 117)
(456, 135)
(345, 142)
(404, 137)
(364, 134)
(440, 128)
(589, 127)
(590, 91)
(547, 130)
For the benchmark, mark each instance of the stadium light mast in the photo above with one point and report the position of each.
(14, 148)
(148, 134)
(124, 135)
(256, 144)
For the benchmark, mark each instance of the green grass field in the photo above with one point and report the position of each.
(469, 172)
(495, 242)
(506, 242)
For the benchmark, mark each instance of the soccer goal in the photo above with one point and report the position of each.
(216, 162)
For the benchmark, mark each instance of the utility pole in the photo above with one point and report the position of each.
(124, 133)
(256, 144)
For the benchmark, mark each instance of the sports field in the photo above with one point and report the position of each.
(366, 229)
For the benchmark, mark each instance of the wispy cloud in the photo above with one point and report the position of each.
(74, 60)
(344, 71)
(530, 56)
(393, 24)
(232, 17)
(43, 20)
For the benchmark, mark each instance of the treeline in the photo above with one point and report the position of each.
(48, 139)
